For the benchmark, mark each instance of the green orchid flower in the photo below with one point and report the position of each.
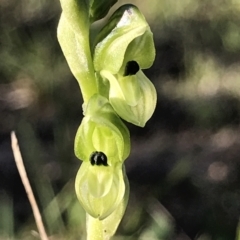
(103, 131)
(132, 97)
(100, 187)
(124, 47)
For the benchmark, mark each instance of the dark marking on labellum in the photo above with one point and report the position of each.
(98, 158)
(131, 68)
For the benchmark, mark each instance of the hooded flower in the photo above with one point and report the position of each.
(100, 188)
(102, 130)
(124, 47)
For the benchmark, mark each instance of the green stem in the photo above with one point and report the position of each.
(94, 229)
(76, 49)
(73, 36)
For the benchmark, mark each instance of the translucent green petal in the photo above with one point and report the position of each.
(141, 50)
(83, 145)
(100, 180)
(111, 222)
(100, 207)
(103, 138)
(147, 102)
(125, 88)
(108, 226)
(130, 88)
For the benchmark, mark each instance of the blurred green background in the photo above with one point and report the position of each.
(184, 167)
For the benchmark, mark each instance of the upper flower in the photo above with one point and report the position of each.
(124, 47)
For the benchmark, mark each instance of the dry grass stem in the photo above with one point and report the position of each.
(27, 186)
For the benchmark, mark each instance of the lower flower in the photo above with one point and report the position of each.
(100, 187)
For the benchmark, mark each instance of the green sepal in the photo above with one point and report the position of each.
(107, 227)
(144, 95)
(100, 201)
(99, 8)
(141, 50)
(130, 88)
(79, 12)
(126, 24)
(102, 130)
(110, 223)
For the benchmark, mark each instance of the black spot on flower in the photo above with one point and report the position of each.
(131, 68)
(98, 158)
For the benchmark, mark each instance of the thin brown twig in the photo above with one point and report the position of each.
(22, 172)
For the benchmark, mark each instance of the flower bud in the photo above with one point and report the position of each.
(100, 188)
(102, 130)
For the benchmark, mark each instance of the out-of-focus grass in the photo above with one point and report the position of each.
(7, 216)
(197, 67)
